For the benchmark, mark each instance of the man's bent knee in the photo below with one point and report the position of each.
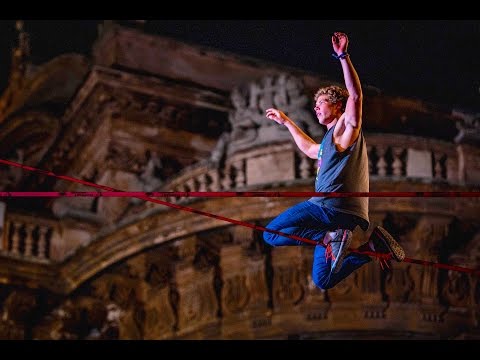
(269, 238)
(322, 282)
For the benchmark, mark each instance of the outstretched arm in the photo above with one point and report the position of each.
(303, 141)
(346, 132)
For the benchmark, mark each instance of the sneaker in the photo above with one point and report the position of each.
(384, 243)
(337, 249)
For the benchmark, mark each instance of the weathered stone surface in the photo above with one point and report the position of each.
(156, 114)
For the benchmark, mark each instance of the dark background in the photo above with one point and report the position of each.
(433, 60)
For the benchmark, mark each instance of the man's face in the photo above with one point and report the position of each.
(325, 110)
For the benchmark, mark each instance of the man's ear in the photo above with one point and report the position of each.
(340, 107)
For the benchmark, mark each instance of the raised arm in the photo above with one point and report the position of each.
(303, 141)
(348, 128)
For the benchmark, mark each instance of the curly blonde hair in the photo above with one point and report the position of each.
(335, 94)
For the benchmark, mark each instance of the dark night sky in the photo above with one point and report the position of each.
(434, 60)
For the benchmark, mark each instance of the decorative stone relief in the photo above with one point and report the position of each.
(160, 318)
(185, 249)
(151, 176)
(121, 157)
(468, 128)
(112, 208)
(456, 290)
(235, 293)
(80, 126)
(288, 286)
(250, 127)
(250, 240)
(197, 299)
(399, 283)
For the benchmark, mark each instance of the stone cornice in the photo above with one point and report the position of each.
(166, 57)
(108, 91)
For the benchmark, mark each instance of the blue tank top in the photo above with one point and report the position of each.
(345, 171)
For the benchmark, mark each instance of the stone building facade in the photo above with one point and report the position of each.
(148, 113)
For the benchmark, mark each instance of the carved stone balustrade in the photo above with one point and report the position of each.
(30, 238)
(392, 157)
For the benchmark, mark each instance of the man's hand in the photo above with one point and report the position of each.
(276, 115)
(339, 43)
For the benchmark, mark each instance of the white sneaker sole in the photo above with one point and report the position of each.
(345, 244)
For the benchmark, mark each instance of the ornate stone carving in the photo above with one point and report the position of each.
(185, 249)
(251, 242)
(132, 323)
(151, 176)
(235, 293)
(160, 267)
(197, 299)
(399, 283)
(345, 289)
(249, 125)
(224, 281)
(137, 266)
(160, 318)
(468, 128)
(207, 251)
(316, 305)
(287, 288)
(456, 290)
(121, 157)
(112, 208)
(288, 285)
(81, 125)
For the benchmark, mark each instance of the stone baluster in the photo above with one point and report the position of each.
(208, 181)
(226, 181)
(215, 177)
(190, 184)
(397, 164)
(381, 164)
(196, 183)
(28, 251)
(438, 168)
(15, 229)
(240, 179)
(42, 242)
(202, 182)
(428, 286)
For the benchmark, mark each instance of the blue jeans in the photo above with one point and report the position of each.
(312, 221)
